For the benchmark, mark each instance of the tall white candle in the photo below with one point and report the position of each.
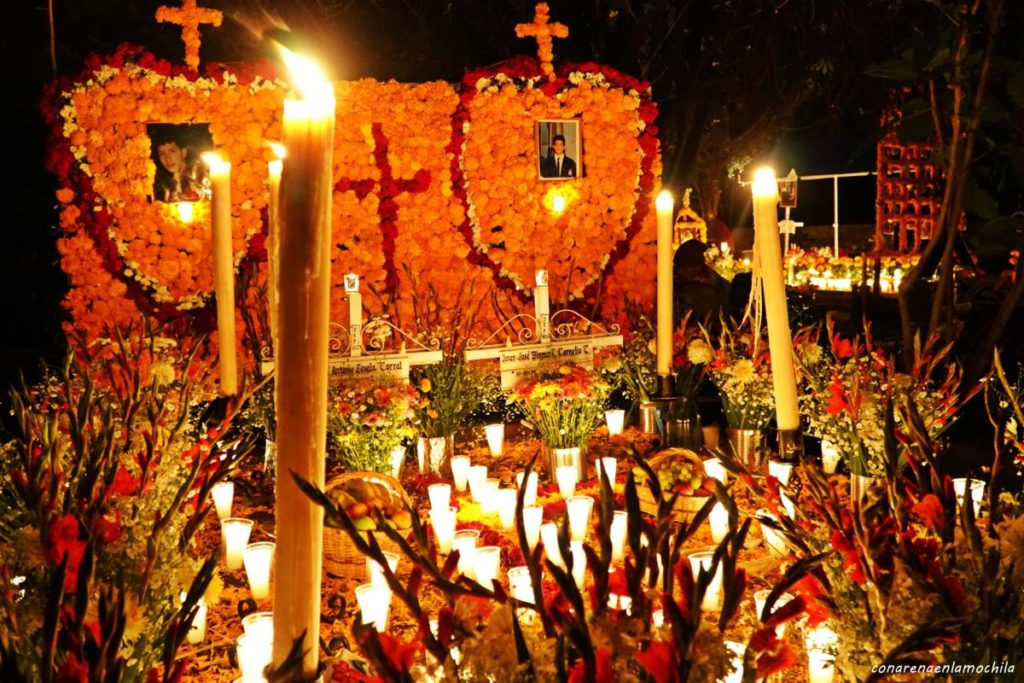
(253, 657)
(780, 341)
(274, 233)
(579, 563)
(301, 347)
(549, 536)
(375, 604)
(609, 465)
(258, 558)
(664, 207)
(566, 477)
(223, 494)
(460, 472)
(223, 270)
(260, 625)
(465, 542)
(236, 536)
(488, 490)
(197, 632)
(477, 475)
(615, 419)
(530, 497)
(507, 507)
(719, 521)
(375, 573)
(520, 584)
(486, 563)
(714, 468)
(440, 496)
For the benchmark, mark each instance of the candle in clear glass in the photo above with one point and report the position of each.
(719, 521)
(520, 585)
(253, 657)
(223, 493)
(615, 419)
(260, 626)
(780, 470)
(236, 536)
(714, 468)
(374, 604)
(258, 558)
(486, 563)
(533, 517)
(465, 542)
(495, 438)
(608, 465)
(440, 496)
(488, 490)
(566, 478)
(579, 563)
(775, 541)
(375, 573)
(821, 667)
(197, 632)
(713, 595)
(477, 474)
(460, 472)
(829, 456)
(443, 523)
(507, 507)
(977, 492)
(580, 509)
(549, 535)
(617, 532)
(760, 597)
(530, 497)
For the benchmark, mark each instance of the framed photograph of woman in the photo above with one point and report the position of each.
(176, 150)
(559, 149)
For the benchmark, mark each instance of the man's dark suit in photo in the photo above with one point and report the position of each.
(557, 164)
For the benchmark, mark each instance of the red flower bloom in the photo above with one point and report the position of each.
(64, 540)
(659, 660)
(399, 655)
(603, 671)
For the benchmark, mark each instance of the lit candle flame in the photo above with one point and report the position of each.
(664, 201)
(765, 184)
(216, 163)
(185, 211)
(278, 149)
(307, 76)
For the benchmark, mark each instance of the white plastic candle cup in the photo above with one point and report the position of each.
(549, 535)
(829, 457)
(719, 521)
(375, 573)
(253, 657)
(488, 490)
(258, 558)
(533, 517)
(713, 595)
(788, 505)
(520, 585)
(579, 563)
(197, 632)
(775, 541)
(507, 507)
(443, 523)
(714, 468)
(397, 460)
(477, 475)
(737, 651)
(821, 667)
(977, 492)
(440, 496)
(566, 478)
(460, 472)
(780, 470)
(495, 438)
(236, 532)
(465, 542)
(616, 420)
(580, 508)
(609, 465)
(486, 563)
(530, 497)
(658, 618)
(374, 604)
(617, 532)
(760, 597)
(260, 626)
(223, 494)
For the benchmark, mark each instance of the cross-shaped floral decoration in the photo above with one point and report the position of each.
(189, 16)
(544, 33)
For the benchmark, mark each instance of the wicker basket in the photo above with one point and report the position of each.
(686, 506)
(341, 557)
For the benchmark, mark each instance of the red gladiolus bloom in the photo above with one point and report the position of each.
(660, 662)
(64, 540)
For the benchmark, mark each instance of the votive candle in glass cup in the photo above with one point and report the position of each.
(530, 497)
(714, 468)
(533, 517)
(609, 465)
(760, 597)
(488, 490)
(977, 492)
(443, 523)
(719, 521)
(477, 474)
(440, 496)
(260, 625)
(566, 477)
(235, 531)
(253, 657)
(465, 542)
(780, 470)
(223, 494)
(775, 541)
(495, 438)
(375, 573)
(580, 508)
(258, 558)
(713, 595)
(549, 536)
(829, 456)
(616, 420)
(520, 585)
(486, 563)
(197, 632)
(820, 644)
(507, 507)
(460, 472)
(617, 532)
(736, 650)
(374, 604)
(579, 563)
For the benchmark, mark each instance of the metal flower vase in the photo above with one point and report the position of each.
(860, 485)
(562, 457)
(684, 433)
(745, 445)
(647, 417)
(434, 452)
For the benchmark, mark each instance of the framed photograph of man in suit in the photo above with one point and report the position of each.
(559, 149)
